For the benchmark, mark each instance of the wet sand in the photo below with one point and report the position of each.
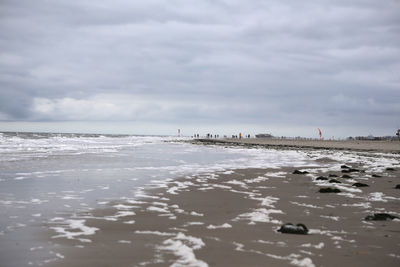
(230, 219)
(356, 145)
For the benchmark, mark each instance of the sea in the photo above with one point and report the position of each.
(48, 176)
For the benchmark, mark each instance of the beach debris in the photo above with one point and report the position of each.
(333, 175)
(321, 178)
(376, 175)
(359, 185)
(289, 228)
(390, 169)
(300, 172)
(397, 186)
(346, 176)
(334, 181)
(381, 217)
(329, 190)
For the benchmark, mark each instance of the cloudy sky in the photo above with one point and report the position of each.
(221, 66)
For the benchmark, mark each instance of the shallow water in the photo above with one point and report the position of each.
(45, 176)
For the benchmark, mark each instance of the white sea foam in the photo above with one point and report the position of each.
(193, 223)
(225, 225)
(278, 243)
(308, 245)
(276, 174)
(268, 201)
(123, 207)
(72, 229)
(124, 241)
(260, 215)
(257, 180)
(305, 205)
(193, 213)
(154, 233)
(335, 218)
(293, 258)
(158, 209)
(183, 247)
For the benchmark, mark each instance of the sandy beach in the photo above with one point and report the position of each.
(354, 145)
(231, 218)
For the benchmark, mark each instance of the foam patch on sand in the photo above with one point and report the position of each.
(294, 259)
(119, 214)
(154, 233)
(335, 218)
(278, 243)
(260, 215)
(305, 205)
(236, 182)
(308, 245)
(276, 174)
(192, 223)
(73, 229)
(225, 225)
(183, 247)
(259, 179)
(379, 197)
(124, 241)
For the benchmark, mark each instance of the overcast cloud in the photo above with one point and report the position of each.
(269, 65)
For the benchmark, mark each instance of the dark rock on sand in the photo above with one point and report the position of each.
(390, 169)
(380, 217)
(346, 176)
(397, 186)
(359, 185)
(333, 175)
(288, 228)
(334, 181)
(376, 175)
(344, 167)
(329, 190)
(300, 172)
(321, 178)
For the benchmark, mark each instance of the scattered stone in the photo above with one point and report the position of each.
(300, 172)
(397, 186)
(321, 178)
(329, 190)
(376, 175)
(346, 176)
(359, 185)
(288, 228)
(344, 167)
(333, 175)
(334, 181)
(380, 217)
(390, 169)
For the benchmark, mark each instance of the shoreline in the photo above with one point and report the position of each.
(230, 218)
(351, 145)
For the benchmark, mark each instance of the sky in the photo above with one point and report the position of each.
(203, 66)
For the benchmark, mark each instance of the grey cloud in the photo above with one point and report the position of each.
(225, 61)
